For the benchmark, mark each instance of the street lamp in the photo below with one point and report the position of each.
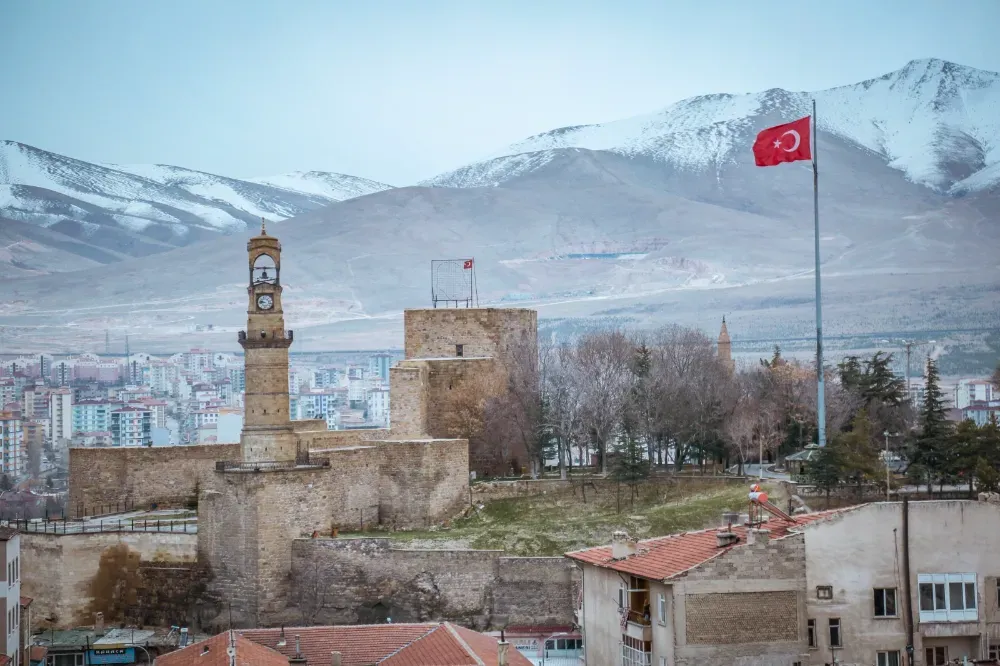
(545, 642)
(887, 435)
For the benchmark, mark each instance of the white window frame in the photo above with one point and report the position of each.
(947, 614)
(882, 658)
(661, 607)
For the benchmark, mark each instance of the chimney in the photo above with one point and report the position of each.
(756, 535)
(622, 546)
(98, 622)
(726, 537)
(298, 659)
(335, 659)
(502, 647)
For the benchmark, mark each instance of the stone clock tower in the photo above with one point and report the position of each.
(267, 430)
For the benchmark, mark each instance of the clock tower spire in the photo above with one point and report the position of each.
(267, 430)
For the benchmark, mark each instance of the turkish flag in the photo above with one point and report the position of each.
(468, 264)
(783, 143)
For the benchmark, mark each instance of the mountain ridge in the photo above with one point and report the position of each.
(934, 120)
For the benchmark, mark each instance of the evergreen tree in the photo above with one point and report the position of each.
(931, 449)
(629, 465)
(825, 471)
(966, 452)
(858, 458)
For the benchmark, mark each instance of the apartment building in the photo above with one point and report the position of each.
(11, 445)
(61, 414)
(823, 588)
(131, 426)
(968, 391)
(92, 416)
(10, 598)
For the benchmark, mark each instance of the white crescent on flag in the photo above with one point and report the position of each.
(798, 140)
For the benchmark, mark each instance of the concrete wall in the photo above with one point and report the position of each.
(945, 537)
(433, 333)
(346, 581)
(72, 576)
(167, 475)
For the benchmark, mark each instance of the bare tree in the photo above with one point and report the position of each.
(603, 360)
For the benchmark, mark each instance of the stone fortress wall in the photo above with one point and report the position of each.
(252, 511)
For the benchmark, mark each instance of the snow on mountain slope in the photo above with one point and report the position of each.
(332, 186)
(136, 210)
(937, 122)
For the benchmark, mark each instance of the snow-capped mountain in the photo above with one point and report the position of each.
(332, 186)
(935, 121)
(136, 210)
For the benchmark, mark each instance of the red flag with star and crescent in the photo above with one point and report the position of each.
(468, 264)
(783, 143)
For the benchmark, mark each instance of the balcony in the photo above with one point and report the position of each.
(638, 627)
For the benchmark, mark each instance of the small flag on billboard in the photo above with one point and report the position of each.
(467, 265)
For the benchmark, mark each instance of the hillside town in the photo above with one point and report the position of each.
(500, 334)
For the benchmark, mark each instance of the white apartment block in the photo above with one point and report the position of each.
(10, 545)
(61, 414)
(131, 426)
(968, 391)
(378, 406)
(11, 445)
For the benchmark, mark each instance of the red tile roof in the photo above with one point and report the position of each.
(430, 644)
(248, 653)
(665, 557)
(37, 653)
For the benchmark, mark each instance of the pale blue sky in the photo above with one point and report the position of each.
(399, 91)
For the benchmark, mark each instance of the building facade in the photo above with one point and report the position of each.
(830, 587)
(92, 416)
(131, 426)
(10, 555)
(12, 445)
(61, 414)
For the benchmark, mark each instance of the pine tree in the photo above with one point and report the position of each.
(931, 450)
(629, 466)
(826, 471)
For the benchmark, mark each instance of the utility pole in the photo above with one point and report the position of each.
(886, 433)
(909, 345)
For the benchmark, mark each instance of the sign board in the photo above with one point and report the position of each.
(115, 655)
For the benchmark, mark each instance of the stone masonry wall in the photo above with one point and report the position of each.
(433, 333)
(71, 576)
(166, 475)
(408, 399)
(746, 606)
(346, 581)
(248, 521)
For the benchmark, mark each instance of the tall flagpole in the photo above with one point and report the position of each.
(820, 400)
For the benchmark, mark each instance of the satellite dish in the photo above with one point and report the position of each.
(231, 651)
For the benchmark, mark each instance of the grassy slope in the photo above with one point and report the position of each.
(556, 523)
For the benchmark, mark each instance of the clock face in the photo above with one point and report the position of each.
(265, 302)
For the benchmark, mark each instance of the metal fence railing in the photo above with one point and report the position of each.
(269, 465)
(60, 527)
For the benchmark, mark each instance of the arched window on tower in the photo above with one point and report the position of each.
(264, 270)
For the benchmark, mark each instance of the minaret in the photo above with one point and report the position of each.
(726, 347)
(267, 430)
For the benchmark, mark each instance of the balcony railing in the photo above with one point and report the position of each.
(269, 465)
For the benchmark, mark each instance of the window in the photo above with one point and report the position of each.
(662, 609)
(994, 652)
(835, 632)
(459, 350)
(947, 597)
(885, 602)
(636, 652)
(663, 661)
(824, 592)
(811, 632)
(936, 656)
(887, 658)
